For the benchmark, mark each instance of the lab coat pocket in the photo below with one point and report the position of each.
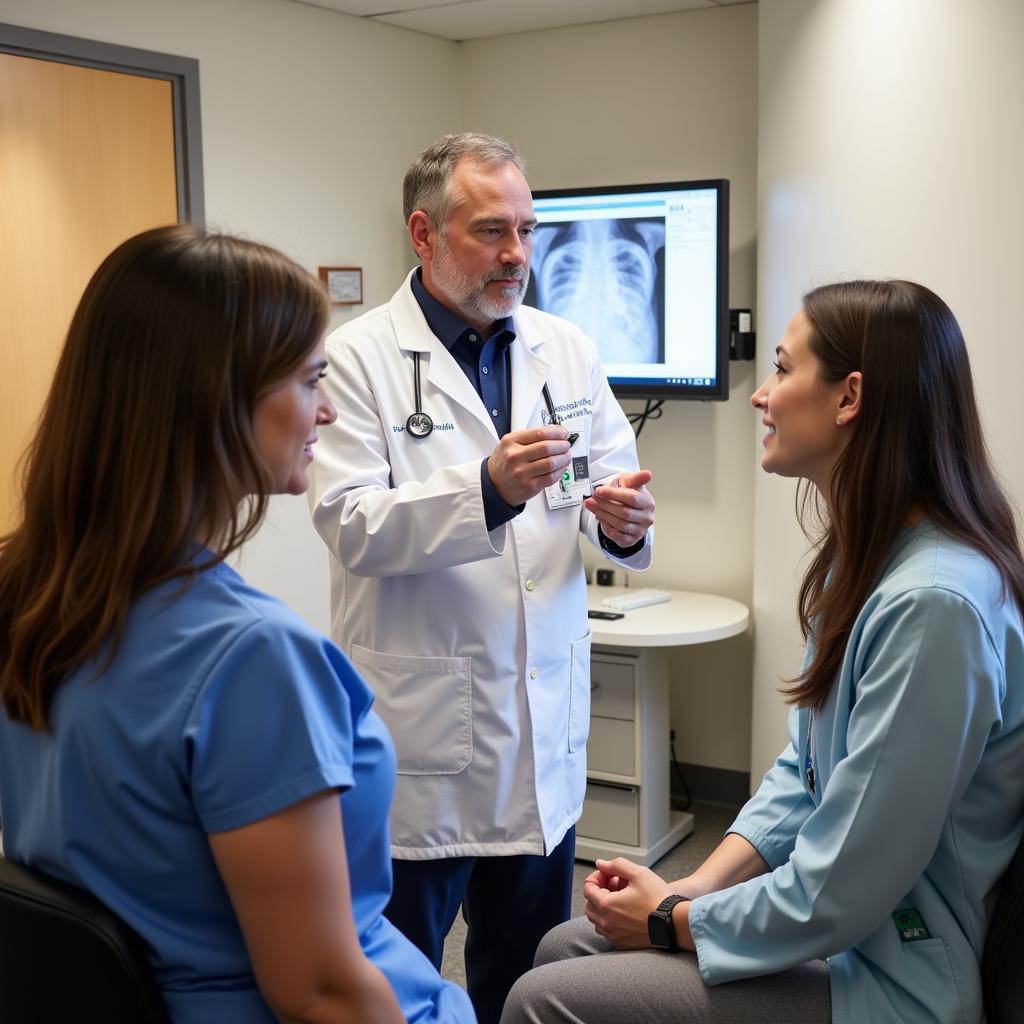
(579, 692)
(427, 704)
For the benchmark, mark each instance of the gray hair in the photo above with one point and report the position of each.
(427, 184)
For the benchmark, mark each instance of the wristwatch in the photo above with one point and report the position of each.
(660, 930)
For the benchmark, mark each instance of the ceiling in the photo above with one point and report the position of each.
(475, 19)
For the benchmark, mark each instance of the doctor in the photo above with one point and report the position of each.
(450, 495)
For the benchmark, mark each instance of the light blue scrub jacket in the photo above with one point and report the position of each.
(918, 805)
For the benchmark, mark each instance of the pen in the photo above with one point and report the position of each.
(554, 418)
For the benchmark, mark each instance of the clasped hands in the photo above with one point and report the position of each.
(620, 895)
(526, 461)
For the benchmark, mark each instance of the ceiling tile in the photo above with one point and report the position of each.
(367, 8)
(476, 19)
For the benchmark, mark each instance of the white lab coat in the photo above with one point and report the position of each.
(476, 643)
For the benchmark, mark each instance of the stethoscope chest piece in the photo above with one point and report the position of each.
(419, 424)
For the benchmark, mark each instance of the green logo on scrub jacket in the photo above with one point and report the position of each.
(910, 924)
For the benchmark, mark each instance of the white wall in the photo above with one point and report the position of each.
(659, 98)
(309, 120)
(891, 142)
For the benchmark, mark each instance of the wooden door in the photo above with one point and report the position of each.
(87, 159)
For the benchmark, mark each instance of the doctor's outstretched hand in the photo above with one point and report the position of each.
(527, 461)
(624, 509)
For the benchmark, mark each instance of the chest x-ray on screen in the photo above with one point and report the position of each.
(642, 269)
(607, 276)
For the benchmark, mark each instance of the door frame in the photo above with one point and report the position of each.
(181, 72)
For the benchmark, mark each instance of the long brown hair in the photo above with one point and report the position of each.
(917, 448)
(145, 445)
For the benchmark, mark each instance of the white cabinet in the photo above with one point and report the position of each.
(626, 812)
(611, 812)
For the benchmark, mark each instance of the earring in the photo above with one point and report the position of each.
(840, 420)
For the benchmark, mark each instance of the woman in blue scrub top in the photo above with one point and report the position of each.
(174, 740)
(857, 884)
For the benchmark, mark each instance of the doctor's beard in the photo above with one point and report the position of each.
(469, 296)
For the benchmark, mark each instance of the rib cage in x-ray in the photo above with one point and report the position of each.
(601, 275)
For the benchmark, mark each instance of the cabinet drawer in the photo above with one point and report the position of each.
(611, 689)
(611, 746)
(611, 813)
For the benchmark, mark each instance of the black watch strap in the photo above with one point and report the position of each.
(660, 930)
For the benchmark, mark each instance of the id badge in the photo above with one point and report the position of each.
(574, 486)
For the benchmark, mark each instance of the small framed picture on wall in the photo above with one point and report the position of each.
(344, 285)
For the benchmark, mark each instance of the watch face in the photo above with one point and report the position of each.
(658, 932)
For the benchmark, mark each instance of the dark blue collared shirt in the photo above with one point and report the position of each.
(485, 361)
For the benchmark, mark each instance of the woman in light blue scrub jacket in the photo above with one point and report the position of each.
(175, 741)
(857, 884)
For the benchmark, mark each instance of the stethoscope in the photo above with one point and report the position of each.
(420, 425)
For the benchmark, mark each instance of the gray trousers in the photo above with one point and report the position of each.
(579, 978)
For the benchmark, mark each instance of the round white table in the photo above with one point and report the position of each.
(627, 811)
(686, 618)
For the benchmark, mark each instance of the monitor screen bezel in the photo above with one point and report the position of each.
(719, 391)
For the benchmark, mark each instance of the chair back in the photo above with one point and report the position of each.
(65, 957)
(1002, 964)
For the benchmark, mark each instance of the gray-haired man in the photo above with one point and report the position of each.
(457, 580)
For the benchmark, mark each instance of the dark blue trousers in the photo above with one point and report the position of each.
(508, 903)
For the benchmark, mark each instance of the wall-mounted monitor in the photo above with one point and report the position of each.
(644, 270)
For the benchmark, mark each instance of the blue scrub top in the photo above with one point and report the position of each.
(220, 708)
